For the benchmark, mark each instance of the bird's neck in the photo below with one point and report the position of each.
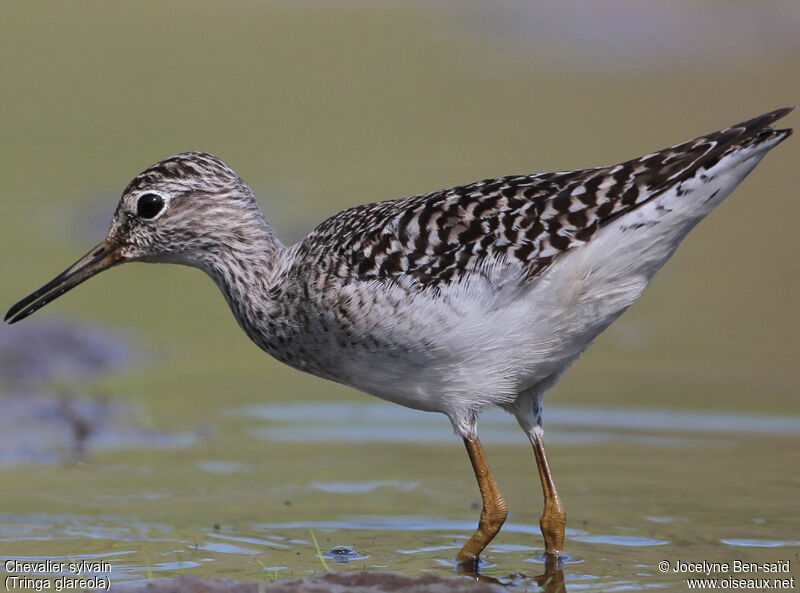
(249, 273)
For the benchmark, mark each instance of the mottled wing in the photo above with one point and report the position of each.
(433, 239)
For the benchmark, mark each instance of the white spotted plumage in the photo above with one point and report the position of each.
(449, 302)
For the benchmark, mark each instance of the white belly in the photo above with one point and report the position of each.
(489, 338)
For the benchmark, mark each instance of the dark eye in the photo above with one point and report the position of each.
(149, 205)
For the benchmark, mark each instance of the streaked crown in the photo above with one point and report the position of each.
(183, 208)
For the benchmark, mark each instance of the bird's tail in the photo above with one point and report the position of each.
(685, 160)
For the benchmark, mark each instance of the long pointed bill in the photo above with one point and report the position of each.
(102, 257)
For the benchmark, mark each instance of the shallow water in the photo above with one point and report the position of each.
(383, 488)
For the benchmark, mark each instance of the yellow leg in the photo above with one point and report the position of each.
(494, 511)
(554, 517)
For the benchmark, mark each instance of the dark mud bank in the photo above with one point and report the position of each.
(362, 582)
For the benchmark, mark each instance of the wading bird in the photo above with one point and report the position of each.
(449, 302)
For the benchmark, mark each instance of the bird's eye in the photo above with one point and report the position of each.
(149, 205)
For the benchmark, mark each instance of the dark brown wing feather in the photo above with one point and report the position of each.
(531, 218)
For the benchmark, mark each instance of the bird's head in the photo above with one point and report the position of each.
(184, 209)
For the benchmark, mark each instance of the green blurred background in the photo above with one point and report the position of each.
(325, 105)
(321, 106)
